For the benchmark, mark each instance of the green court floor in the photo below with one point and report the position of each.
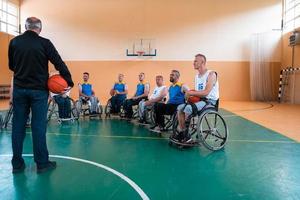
(256, 163)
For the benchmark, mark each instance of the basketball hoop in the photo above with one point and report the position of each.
(140, 53)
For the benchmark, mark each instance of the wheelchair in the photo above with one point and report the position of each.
(135, 109)
(7, 120)
(108, 108)
(53, 111)
(1, 121)
(206, 127)
(135, 113)
(84, 108)
(169, 120)
(149, 115)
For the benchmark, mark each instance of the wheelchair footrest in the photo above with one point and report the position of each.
(184, 144)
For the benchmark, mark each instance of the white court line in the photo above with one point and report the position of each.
(122, 176)
(159, 138)
(227, 116)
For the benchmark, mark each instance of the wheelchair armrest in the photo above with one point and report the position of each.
(207, 106)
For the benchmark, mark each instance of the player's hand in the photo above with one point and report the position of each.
(67, 89)
(117, 92)
(187, 94)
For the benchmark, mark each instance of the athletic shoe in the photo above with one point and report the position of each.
(177, 137)
(50, 166)
(187, 138)
(174, 137)
(20, 169)
(153, 127)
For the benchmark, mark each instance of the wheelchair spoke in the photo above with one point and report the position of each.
(207, 133)
(219, 135)
(207, 122)
(216, 116)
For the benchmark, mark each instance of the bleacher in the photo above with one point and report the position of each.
(4, 91)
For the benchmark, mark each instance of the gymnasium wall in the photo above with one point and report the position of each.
(94, 35)
(5, 73)
(287, 60)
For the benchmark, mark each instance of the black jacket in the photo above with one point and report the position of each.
(28, 59)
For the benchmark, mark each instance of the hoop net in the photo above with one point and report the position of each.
(140, 53)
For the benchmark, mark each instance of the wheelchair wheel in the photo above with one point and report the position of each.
(8, 117)
(122, 112)
(174, 127)
(78, 106)
(107, 109)
(193, 126)
(169, 121)
(212, 130)
(75, 113)
(74, 109)
(149, 116)
(100, 111)
(1, 121)
(135, 114)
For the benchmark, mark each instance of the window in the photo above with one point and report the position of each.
(291, 15)
(9, 16)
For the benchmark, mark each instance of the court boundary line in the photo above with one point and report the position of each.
(113, 171)
(165, 138)
(159, 138)
(269, 106)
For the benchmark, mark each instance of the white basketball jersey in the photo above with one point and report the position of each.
(200, 84)
(157, 91)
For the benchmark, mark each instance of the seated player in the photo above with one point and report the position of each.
(87, 94)
(64, 104)
(142, 91)
(119, 94)
(176, 97)
(206, 87)
(159, 93)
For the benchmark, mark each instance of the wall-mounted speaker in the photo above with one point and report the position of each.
(294, 39)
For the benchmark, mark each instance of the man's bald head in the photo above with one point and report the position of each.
(33, 24)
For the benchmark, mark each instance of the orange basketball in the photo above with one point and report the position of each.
(193, 99)
(112, 92)
(57, 84)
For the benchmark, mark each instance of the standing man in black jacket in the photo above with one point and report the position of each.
(28, 59)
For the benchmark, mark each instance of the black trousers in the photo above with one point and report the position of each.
(64, 106)
(116, 102)
(128, 106)
(161, 109)
(25, 100)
